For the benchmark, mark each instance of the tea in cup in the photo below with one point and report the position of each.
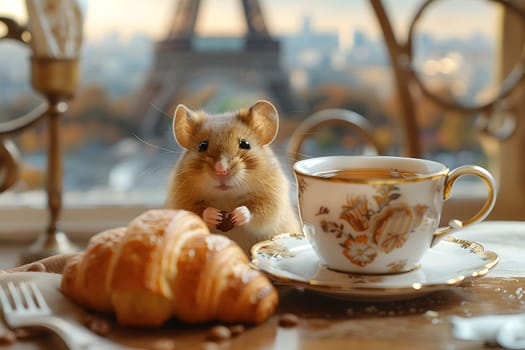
(378, 214)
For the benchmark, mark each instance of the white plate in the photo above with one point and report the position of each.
(61, 306)
(49, 285)
(289, 258)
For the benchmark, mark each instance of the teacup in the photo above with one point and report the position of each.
(375, 214)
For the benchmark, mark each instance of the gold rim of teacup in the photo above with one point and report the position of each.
(475, 248)
(415, 178)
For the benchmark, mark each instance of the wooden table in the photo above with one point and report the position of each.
(328, 323)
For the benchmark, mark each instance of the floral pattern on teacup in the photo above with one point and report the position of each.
(301, 187)
(358, 250)
(378, 223)
(363, 279)
(397, 266)
(392, 227)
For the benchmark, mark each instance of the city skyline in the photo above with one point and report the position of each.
(307, 52)
(152, 18)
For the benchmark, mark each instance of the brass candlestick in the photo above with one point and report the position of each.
(57, 80)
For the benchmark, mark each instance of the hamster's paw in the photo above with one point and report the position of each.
(241, 216)
(211, 216)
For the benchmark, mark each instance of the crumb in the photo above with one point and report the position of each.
(25, 333)
(237, 329)
(219, 333)
(36, 267)
(431, 313)
(288, 320)
(372, 309)
(210, 346)
(7, 338)
(163, 344)
(98, 325)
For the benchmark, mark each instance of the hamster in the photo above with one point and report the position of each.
(228, 171)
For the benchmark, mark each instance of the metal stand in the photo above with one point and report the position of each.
(56, 79)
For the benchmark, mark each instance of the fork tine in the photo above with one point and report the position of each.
(15, 295)
(38, 313)
(6, 304)
(28, 297)
(38, 296)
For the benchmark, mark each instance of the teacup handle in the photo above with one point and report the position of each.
(482, 213)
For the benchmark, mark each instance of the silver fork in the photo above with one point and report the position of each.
(26, 307)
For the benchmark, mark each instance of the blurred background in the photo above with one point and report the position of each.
(118, 146)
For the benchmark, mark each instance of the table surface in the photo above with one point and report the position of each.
(329, 323)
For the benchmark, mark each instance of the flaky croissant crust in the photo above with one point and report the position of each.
(166, 264)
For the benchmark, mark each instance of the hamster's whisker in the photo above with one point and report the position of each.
(301, 155)
(234, 163)
(148, 172)
(155, 146)
(164, 113)
(187, 179)
(183, 183)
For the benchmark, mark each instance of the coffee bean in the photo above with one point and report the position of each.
(288, 320)
(226, 223)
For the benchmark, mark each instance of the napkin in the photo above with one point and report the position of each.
(508, 331)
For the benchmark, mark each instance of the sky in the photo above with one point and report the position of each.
(223, 17)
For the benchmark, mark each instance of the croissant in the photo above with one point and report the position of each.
(166, 264)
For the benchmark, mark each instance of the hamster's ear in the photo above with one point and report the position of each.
(264, 119)
(185, 124)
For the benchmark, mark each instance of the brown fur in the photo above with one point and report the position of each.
(258, 180)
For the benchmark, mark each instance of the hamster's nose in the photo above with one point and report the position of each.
(221, 168)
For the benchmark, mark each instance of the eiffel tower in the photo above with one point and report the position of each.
(177, 63)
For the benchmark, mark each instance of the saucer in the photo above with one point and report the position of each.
(289, 258)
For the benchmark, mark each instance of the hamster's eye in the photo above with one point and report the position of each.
(203, 146)
(243, 144)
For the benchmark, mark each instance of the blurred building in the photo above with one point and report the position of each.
(185, 64)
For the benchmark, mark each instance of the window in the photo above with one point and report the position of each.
(118, 148)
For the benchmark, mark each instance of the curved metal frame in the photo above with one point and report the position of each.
(9, 171)
(399, 58)
(508, 85)
(8, 152)
(328, 117)
(15, 31)
(405, 74)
